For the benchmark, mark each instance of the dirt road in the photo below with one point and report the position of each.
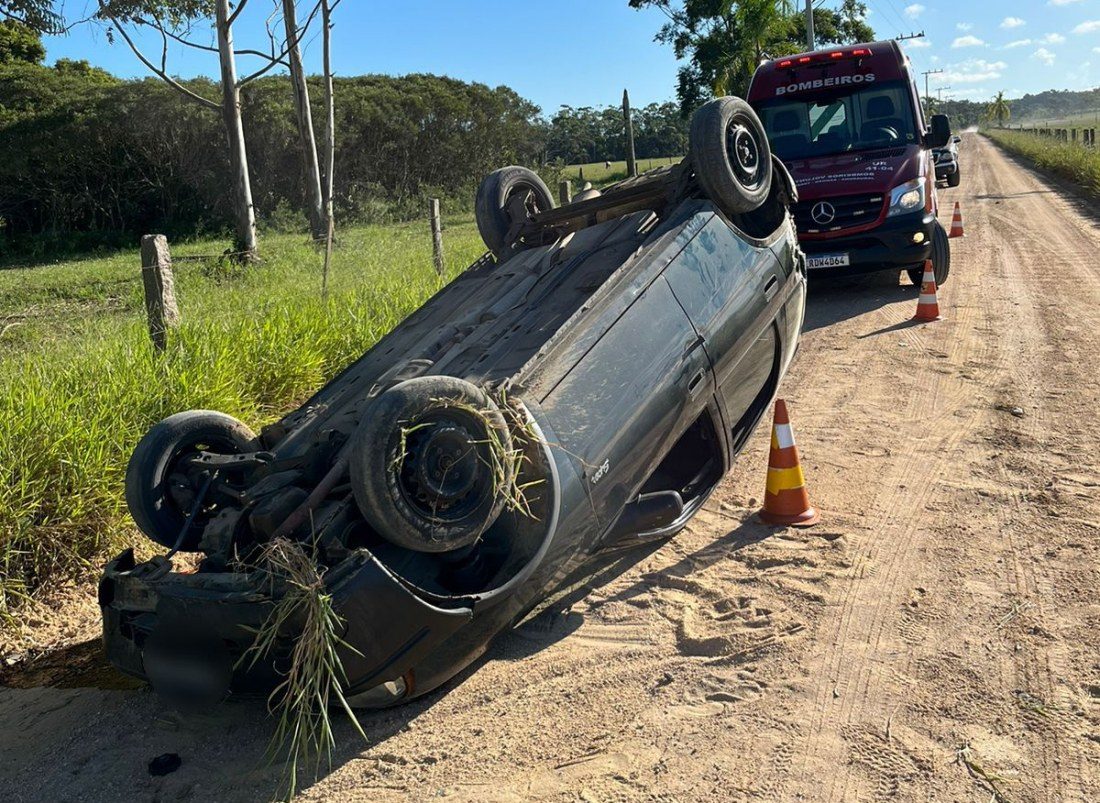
(937, 637)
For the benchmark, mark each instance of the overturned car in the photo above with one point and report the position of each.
(582, 387)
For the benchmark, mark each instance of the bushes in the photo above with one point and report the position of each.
(85, 156)
(1069, 160)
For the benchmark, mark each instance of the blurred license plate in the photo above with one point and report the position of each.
(826, 261)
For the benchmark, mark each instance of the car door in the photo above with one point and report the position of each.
(725, 285)
(624, 404)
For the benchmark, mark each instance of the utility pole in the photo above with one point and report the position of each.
(927, 73)
(901, 37)
(809, 25)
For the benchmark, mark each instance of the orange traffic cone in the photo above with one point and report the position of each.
(785, 499)
(956, 223)
(928, 306)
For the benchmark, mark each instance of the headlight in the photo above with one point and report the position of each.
(907, 197)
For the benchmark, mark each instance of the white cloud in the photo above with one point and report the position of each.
(914, 11)
(1062, 2)
(1096, 50)
(1092, 26)
(964, 26)
(967, 41)
(971, 71)
(917, 43)
(1018, 43)
(1012, 22)
(1051, 39)
(1043, 55)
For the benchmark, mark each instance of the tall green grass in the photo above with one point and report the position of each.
(1069, 160)
(85, 385)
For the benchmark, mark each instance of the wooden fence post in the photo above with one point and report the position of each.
(565, 191)
(437, 235)
(160, 288)
(628, 121)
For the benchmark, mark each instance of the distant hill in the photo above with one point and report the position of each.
(1053, 105)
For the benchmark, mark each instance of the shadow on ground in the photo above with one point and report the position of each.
(833, 299)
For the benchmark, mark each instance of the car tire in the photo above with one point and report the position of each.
(731, 155)
(493, 196)
(431, 464)
(953, 179)
(151, 472)
(941, 258)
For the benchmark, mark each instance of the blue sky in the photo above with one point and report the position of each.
(574, 52)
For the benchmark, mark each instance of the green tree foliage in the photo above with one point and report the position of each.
(39, 15)
(998, 110)
(18, 43)
(82, 152)
(724, 40)
(585, 134)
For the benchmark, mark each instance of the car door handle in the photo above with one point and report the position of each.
(693, 346)
(697, 383)
(770, 288)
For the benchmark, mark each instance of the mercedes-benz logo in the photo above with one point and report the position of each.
(823, 212)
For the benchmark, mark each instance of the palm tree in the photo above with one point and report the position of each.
(998, 110)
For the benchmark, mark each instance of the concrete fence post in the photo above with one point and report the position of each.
(565, 192)
(161, 309)
(437, 235)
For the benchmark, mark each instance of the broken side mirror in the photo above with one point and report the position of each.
(939, 132)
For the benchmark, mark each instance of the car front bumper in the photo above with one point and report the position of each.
(889, 246)
(189, 635)
(945, 169)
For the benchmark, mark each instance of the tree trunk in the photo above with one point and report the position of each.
(330, 111)
(244, 212)
(330, 139)
(302, 111)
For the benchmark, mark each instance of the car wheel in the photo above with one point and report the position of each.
(431, 464)
(953, 179)
(731, 155)
(941, 258)
(161, 489)
(493, 208)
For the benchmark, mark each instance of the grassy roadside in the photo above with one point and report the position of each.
(600, 174)
(1068, 160)
(80, 384)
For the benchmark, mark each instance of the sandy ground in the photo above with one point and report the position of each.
(937, 637)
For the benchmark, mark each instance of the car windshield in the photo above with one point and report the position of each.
(870, 117)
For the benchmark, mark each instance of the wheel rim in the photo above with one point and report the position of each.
(744, 154)
(445, 470)
(184, 479)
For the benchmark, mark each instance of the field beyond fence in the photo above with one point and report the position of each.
(80, 382)
(1063, 156)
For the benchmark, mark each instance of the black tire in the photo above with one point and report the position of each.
(491, 208)
(731, 155)
(157, 487)
(953, 179)
(941, 258)
(429, 464)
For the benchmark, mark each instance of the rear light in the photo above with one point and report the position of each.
(819, 58)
